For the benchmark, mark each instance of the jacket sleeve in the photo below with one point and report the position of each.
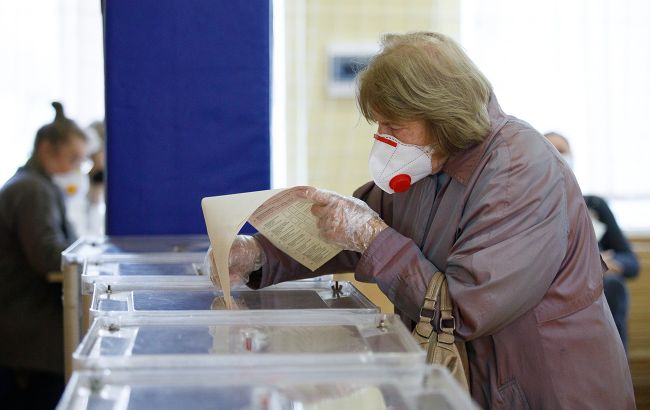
(280, 267)
(394, 261)
(38, 224)
(613, 239)
(400, 270)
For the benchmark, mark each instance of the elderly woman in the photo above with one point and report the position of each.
(464, 189)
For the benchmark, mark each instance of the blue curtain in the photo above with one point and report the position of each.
(187, 109)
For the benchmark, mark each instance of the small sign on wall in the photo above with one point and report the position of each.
(345, 61)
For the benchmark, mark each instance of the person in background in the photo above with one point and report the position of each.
(33, 232)
(97, 177)
(83, 188)
(96, 173)
(461, 188)
(616, 252)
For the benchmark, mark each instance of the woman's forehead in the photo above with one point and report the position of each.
(383, 118)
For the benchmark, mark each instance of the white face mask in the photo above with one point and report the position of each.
(73, 184)
(396, 166)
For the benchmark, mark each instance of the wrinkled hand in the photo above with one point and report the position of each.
(345, 221)
(613, 266)
(246, 256)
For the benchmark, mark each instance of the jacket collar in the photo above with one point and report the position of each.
(461, 166)
(32, 165)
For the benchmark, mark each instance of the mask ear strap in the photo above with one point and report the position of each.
(428, 149)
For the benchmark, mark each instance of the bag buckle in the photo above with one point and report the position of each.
(424, 327)
(427, 313)
(444, 322)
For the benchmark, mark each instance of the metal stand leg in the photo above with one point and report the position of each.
(71, 314)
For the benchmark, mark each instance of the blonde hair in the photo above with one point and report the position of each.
(427, 76)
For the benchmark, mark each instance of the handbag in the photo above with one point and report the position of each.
(442, 347)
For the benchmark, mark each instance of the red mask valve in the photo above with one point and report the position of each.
(400, 183)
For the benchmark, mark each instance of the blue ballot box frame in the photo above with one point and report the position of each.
(187, 109)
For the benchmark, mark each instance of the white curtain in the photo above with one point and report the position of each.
(582, 68)
(50, 50)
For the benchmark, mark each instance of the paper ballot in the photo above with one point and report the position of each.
(288, 223)
(283, 218)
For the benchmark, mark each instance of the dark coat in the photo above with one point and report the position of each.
(506, 222)
(613, 239)
(33, 232)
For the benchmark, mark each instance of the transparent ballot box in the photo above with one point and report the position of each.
(358, 388)
(166, 297)
(247, 338)
(91, 260)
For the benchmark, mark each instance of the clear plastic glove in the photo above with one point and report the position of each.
(246, 256)
(345, 221)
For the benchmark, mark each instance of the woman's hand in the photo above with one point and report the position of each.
(344, 221)
(614, 268)
(246, 256)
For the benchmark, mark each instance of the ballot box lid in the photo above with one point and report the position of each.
(172, 269)
(165, 297)
(247, 338)
(360, 387)
(116, 248)
(181, 271)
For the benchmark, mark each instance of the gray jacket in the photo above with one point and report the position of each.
(33, 232)
(506, 222)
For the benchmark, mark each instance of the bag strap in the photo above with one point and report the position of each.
(444, 349)
(447, 323)
(447, 328)
(424, 328)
